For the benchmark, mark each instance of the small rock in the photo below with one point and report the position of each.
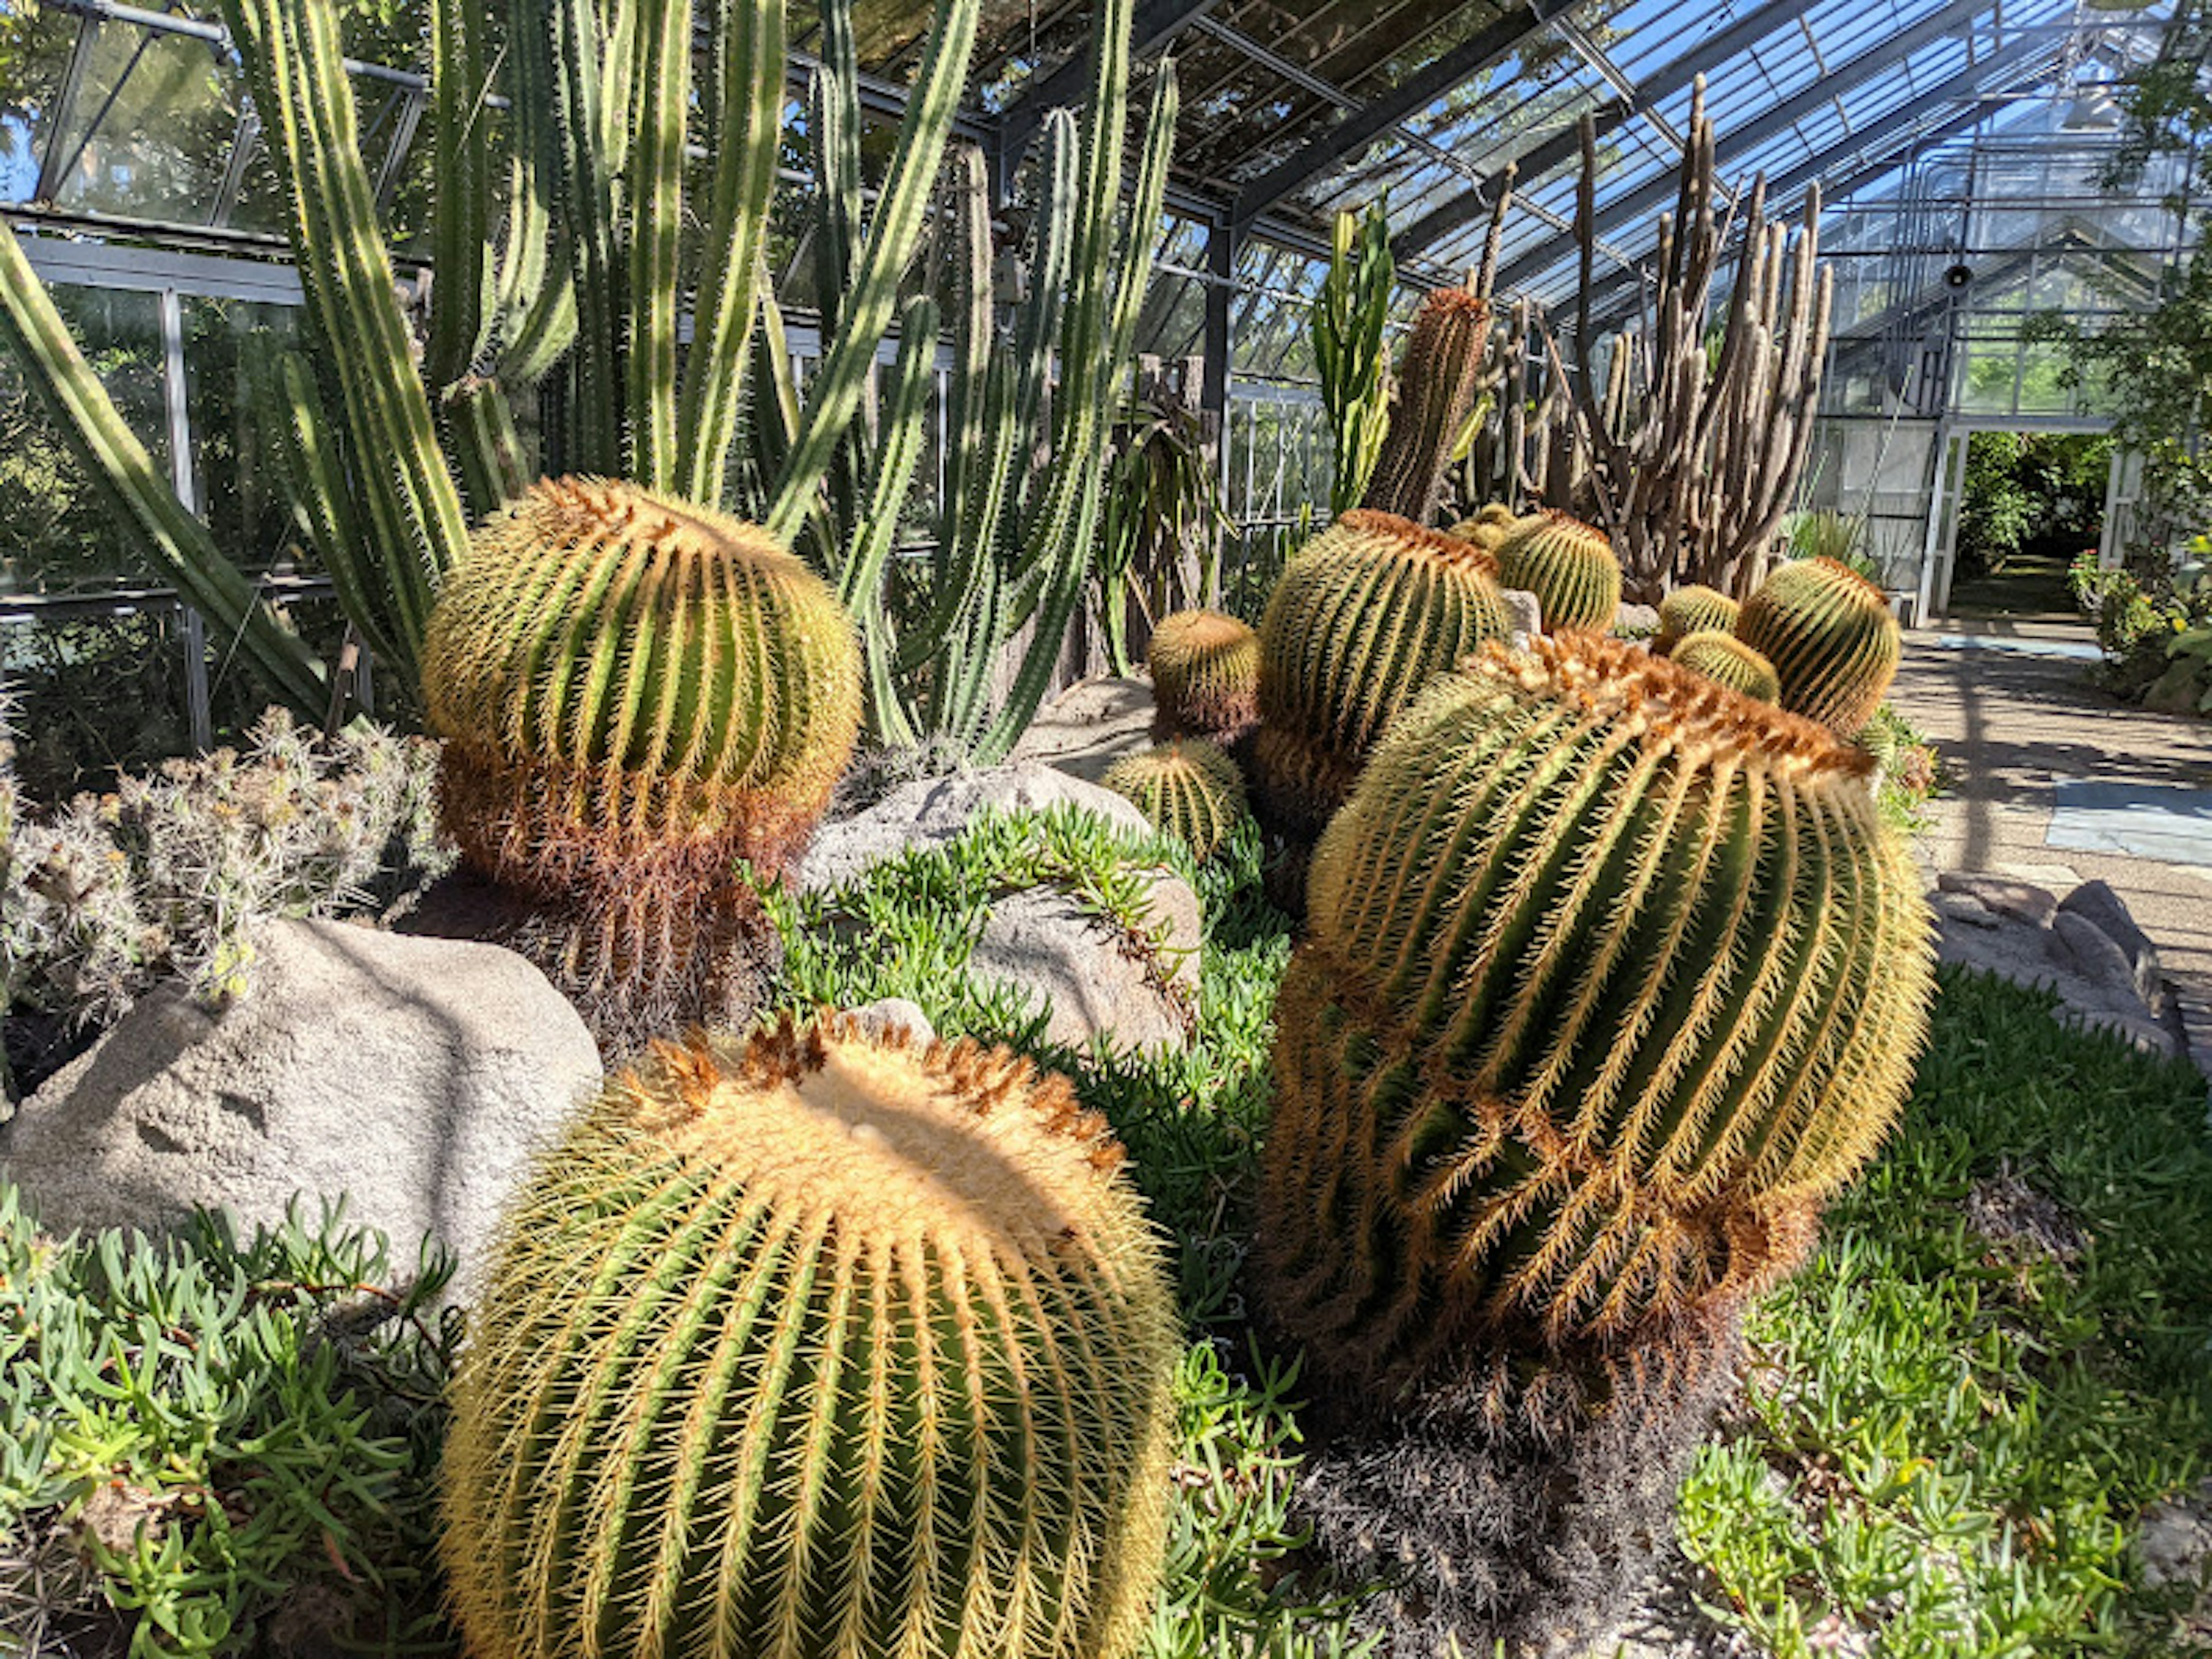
(2000, 893)
(2095, 957)
(1634, 621)
(2178, 690)
(1523, 611)
(1964, 908)
(890, 1014)
(2096, 902)
(1101, 984)
(1089, 726)
(2174, 1542)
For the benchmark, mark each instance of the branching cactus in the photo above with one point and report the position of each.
(635, 693)
(1693, 609)
(1363, 618)
(825, 1345)
(1190, 789)
(1436, 382)
(1828, 632)
(1567, 565)
(1611, 977)
(1727, 660)
(1206, 677)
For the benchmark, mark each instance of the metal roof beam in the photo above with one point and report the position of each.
(1156, 23)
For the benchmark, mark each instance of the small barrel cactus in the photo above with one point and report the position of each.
(827, 1345)
(634, 693)
(1727, 660)
(1436, 379)
(1206, 677)
(1568, 566)
(1611, 975)
(1361, 619)
(1828, 632)
(1692, 610)
(1191, 789)
(1489, 526)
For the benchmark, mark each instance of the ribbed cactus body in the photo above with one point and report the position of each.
(1568, 566)
(1436, 380)
(824, 1346)
(1191, 789)
(1692, 610)
(1361, 620)
(1828, 632)
(1206, 676)
(1610, 977)
(1489, 526)
(1727, 660)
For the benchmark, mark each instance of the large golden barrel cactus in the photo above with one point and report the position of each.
(1190, 789)
(1693, 609)
(1206, 677)
(1568, 565)
(1727, 660)
(1611, 976)
(1436, 389)
(825, 1345)
(634, 693)
(1828, 632)
(1362, 618)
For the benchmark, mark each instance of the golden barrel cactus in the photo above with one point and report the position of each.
(1191, 790)
(1828, 632)
(1206, 677)
(1727, 660)
(1693, 609)
(1568, 565)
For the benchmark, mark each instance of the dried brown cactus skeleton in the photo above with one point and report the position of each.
(1683, 443)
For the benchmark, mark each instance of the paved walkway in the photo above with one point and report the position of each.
(2055, 781)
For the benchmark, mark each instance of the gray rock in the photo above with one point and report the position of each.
(1102, 984)
(896, 1014)
(2027, 954)
(1635, 621)
(415, 1077)
(1964, 908)
(2091, 954)
(1089, 726)
(2096, 902)
(2030, 903)
(1524, 611)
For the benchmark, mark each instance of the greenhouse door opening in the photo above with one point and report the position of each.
(2015, 507)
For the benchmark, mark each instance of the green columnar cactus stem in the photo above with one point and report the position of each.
(1190, 789)
(1727, 660)
(1362, 618)
(1206, 676)
(1436, 394)
(1567, 565)
(1692, 610)
(635, 694)
(826, 1345)
(1611, 976)
(1350, 354)
(1828, 632)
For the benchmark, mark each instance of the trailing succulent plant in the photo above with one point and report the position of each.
(1829, 633)
(635, 693)
(1693, 609)
(1610, 978)
(1362, 616)
(1727, 660)
(1438, 378)
(1206, 677)
(825, 1344)
(1568, 566)
(1189, 788)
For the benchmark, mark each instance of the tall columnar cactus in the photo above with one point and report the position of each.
(1437, 383)
(825, 1345)
(634, 693)
(1362, 618)
(1828, 632)
(1693, 609)
(1611, 977)
(1567, 565)
(1727, 660)
(1350, 354)
(1206, 677)
(1190, 789)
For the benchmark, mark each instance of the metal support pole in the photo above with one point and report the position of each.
(173, 389)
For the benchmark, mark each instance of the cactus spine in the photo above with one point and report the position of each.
(825, 1345)
(1436, 381)
(1362, 618)
(1191, 790)
(1727, 660)
(1693, 609)
(1567, 565)
(1489, 527)
(1206, 677)
(1828, 632)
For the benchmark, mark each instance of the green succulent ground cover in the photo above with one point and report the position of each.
(1954, 1419)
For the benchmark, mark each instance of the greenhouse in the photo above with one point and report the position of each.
(934, 830)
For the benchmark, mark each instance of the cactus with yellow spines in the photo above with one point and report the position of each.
(1438, 378)
(1829, 633)
(1568, 565)
(1361, 619)
(1191, 789)
(1489, 526)
(1727, 660)
(826, 1344)
(1693, 609)
(634, 693)
(1206, 677)
(1611, 976)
